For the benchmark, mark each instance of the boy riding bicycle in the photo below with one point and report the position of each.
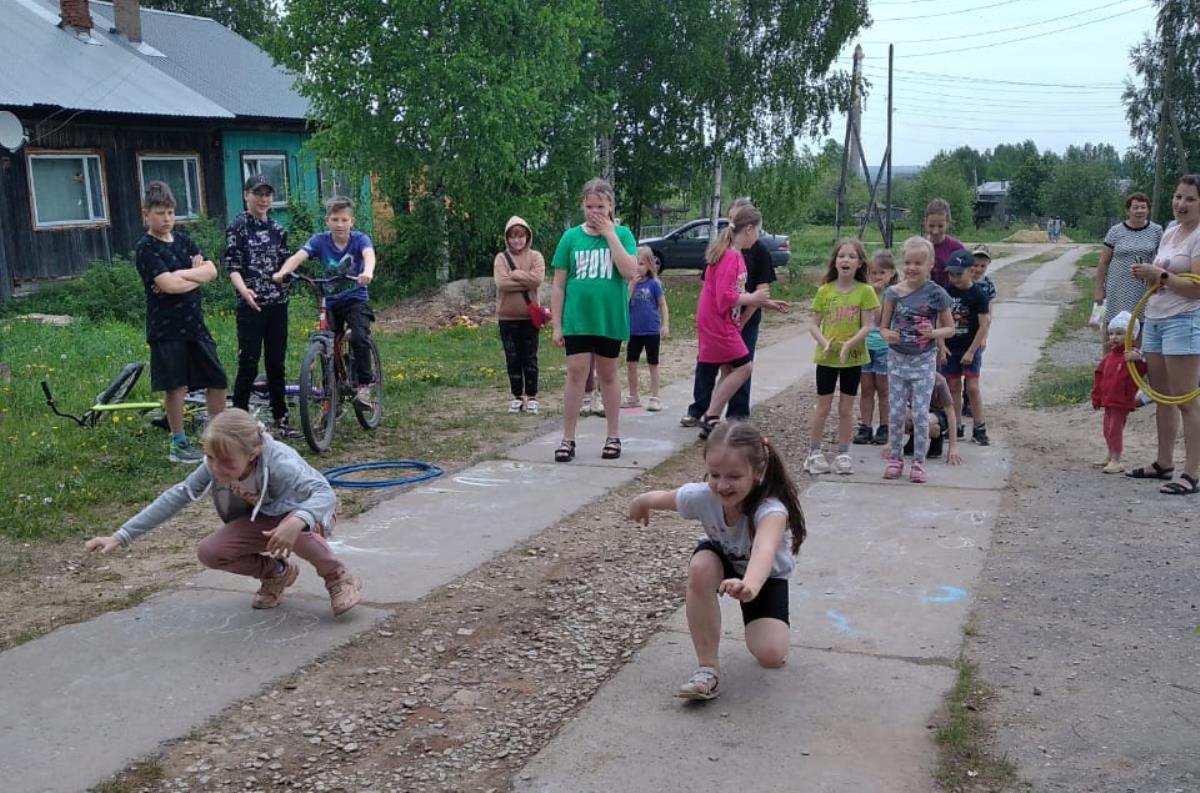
(331, 248)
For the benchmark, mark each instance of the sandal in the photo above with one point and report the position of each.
(1179, 488)
(612, 449)
(704, 684)
(565, 452)
(1155, 471)
(707, 424)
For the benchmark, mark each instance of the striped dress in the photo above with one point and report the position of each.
(1122, 290)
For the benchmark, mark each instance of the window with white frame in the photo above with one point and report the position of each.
(68, 190)
(181, 172)
(272, 166)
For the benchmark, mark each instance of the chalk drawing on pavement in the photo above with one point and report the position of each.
(840, 623)
(975, 517)
(955, 543)
(945, 594)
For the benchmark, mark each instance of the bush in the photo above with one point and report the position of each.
(104, 291)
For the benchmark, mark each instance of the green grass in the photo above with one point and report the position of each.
(89, 481)
(965, 762)
(1052, 385)
(139, 776)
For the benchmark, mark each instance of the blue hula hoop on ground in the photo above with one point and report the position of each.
(421, 472)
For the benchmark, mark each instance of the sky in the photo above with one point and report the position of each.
(952, 56)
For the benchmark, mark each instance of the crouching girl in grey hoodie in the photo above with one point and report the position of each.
(271, 503)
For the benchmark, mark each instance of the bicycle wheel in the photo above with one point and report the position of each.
(121, 385)
(369, 417)
(318, 397)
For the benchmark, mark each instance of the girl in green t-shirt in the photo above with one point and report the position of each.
(844, 309)
(589, 303)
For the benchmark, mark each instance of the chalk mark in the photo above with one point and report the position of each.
(946, 594)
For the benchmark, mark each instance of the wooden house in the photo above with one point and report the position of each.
(112, 96)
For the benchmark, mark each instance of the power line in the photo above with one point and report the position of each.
(1022, 38)
(949, 12)
(905, 92)
(1025, 26)
(1097, 130)
(957, 78)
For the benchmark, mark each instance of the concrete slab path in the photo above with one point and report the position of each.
(87, 700)
(878, 602)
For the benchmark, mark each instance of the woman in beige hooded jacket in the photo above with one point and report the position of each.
(519, 271)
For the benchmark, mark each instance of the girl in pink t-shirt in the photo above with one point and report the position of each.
(718, 313)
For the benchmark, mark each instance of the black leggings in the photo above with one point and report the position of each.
(520, 342)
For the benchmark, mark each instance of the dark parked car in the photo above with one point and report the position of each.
(684, 247)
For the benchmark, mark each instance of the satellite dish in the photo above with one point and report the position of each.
(12, 133)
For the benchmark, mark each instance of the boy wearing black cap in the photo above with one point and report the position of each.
(256, 246)
(962, 353)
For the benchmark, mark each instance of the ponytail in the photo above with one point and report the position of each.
(741, 216)
(775, 483)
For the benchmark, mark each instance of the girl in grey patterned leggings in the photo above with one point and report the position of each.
(916, 311)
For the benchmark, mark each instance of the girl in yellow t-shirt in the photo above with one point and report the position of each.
(844, 313)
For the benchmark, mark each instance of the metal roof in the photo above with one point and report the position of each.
(49, 65)
(216, 62)
(187, 66)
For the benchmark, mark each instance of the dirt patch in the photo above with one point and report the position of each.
(458, 691)
(1031, 235)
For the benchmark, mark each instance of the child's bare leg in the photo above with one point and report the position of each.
(173, 402)
(632, 376)
(214, 401)
(578, 371)
(767, 641)
(955, 383)
(610, 392)
(866, 402)
(653, 379)
(881, 388)
(731, 380)
(820, 416)
(845, 419)
(975, 394)
(703, 610)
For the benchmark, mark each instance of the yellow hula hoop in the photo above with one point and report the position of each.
(1134, 374)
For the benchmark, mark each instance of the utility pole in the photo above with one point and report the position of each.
(850, 141)
(889, 221)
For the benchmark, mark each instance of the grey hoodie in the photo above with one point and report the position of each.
(286, 484)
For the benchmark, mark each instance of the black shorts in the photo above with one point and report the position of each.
(828, 377)
(596, 345)
(772, 600)
(638, 343)
(191, 364)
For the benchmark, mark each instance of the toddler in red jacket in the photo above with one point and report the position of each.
(1114, 390)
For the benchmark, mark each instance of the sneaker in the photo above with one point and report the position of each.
(689, 421)
(362, 397)
(935, 446)
(516, 405)
(283, 429)
(597, 404)
(1112, 467)
(270, 593)
(532, 407)
(917, 473)
(816, 463)
(1101, 463)
(980, 436)
(894, 468)
(843, 464)
(184, 453)
(881, 435)
(863, 434)
(653, 404)
(345, 592)
(959, 431)
(589, 399)
(707, 425)
(704, 684)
